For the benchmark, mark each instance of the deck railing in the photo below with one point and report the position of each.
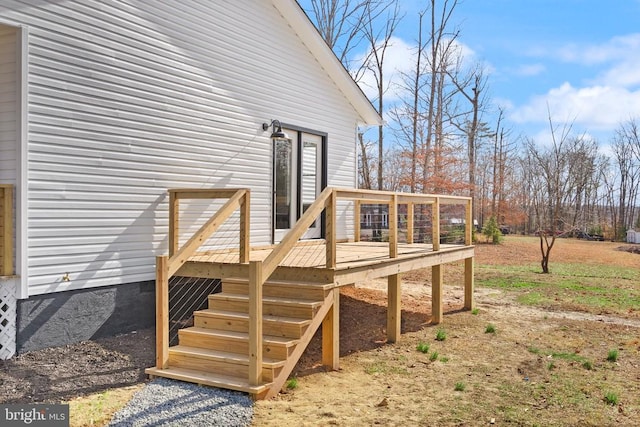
(261, 270)
(167, 266)
(6, 230)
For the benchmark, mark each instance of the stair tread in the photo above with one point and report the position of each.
(222, 355)
(211, 312)
(288, 283)
(240, 335)
(209, 379)
(278, 300)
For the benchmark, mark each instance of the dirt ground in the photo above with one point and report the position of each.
(383, 384)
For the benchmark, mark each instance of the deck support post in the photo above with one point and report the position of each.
(162, 312)
(174, 223)
(255, 322)
(245, 227)
(468, 284)
(410, 221)
(436, 293)
(394, 308)
(356, 220)
(331, 230)
(331, 334)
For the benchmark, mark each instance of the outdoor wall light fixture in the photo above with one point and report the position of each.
(277, 133)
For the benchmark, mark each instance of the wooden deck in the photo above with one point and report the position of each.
(274, 298)
(355, 261)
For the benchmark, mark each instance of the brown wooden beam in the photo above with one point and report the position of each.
(469, 303)
(331, 334)
(256, 280)
(394, 307)
(436, 293)
(162, 312)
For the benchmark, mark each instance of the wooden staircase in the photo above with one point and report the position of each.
(215, 351)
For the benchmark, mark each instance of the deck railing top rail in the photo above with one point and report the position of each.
(237, 198)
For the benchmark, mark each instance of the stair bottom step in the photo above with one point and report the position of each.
(209, 379)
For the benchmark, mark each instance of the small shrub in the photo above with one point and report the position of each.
(475, 311)
(423, 347)
(587, 365)
(292, 383)
(490, 329)
(444, 359)
(460, 386)
(492, 231)
(434, 356)
(611, 398)
(441, 335)
(612, 356)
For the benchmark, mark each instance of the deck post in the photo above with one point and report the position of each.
(356, 220)
(6, 216)
(331, 231)
(174, 222)
(436, 294)
(468, 284)
(393, 226)
(468, 230)
(436, 224)
(162, 312)
(410, 213)
(331, 334)
(394, 309)
(256, 281)
(245, 214)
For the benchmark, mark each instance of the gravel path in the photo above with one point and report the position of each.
(165, 402)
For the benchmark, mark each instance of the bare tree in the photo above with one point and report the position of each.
(556, 178)
(341, 24)
(378, 35)
(442, 41)
(626, 157)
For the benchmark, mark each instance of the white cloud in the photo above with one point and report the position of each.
(602, 101)
(595, 107)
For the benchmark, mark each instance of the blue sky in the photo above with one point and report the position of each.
(581, 58)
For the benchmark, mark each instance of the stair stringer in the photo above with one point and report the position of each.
(278, 382)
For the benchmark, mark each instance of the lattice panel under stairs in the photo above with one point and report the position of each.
(7, 320)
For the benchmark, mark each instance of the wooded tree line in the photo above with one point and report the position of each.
(444, 135)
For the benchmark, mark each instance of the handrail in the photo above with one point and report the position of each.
(237, 198)
(167, 266)
(6, 229)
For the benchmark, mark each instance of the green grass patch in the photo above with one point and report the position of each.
(292, 383)
(423, 347)
(586, 287)
(441, 335)
(612, 355)
(490, 329)
(460, 386)
(611, 398)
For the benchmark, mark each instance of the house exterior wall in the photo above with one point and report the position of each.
(8, 93)
(127, 99)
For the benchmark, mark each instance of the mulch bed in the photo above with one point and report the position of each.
(59, 374)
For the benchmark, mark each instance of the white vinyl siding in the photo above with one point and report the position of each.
(127, 99)
(8, 102)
